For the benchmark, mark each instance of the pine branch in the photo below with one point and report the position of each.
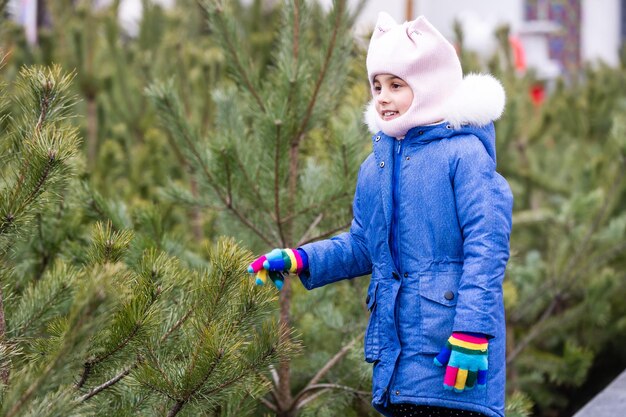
(573, 268)
(532, 217)
(4, 366)
(242, 374)
(159, 390)
(279, 349)
(37, 189)
(47, 90)
(168, 105)
(38, 302)
(45, 256)
(277, 159)
(334, 360)
(283, 390)
(106, 211)
(534, 331)
(322, 75)
(251, 185)
(600, 259)
(535, 179)
(80, 316)
(139, 322)
(209, 372)
(612, 194)
(322, 204)
(292, 187)
(545, 287)
(274, 374)
(233, 51)
(325, 234)
(119, 347)
(163, 376)
(229, 185)
(176, 325)
(311, 227)
(272, 393)
(176, 408)
(311, 397)
(248, 223)
(196, 215)
(327, 387)
(268, 404)
(90, 364)
(45, 105)
(313, 383)
(43, 166)
(33, 387)
(108, 383)
(127, 371)
(6, 223)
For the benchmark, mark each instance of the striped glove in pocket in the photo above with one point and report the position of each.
(465, 355)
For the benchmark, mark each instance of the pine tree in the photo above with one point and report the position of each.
(563, 286)
(565, 162)
(36, 157)
(126, 156)
(112, 324)
(281, 160)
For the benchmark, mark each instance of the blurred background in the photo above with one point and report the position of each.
(191, 113)
(576, 31)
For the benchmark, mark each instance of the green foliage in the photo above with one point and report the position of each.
(518, 405)
(244, 164)
(245, 120)
(565, 162)
(98, 319)
(279, 163)
(37, 151)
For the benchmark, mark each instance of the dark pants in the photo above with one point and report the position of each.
(412, 410)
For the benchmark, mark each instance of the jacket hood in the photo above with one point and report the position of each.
(478, 101)
(423, 134)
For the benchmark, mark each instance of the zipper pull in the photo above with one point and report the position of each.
(399, 146)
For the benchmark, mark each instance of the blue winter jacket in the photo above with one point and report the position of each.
(432, 220)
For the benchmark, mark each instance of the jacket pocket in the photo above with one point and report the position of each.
(439, 291)
(372, 334)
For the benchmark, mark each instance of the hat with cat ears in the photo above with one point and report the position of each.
(419, 54)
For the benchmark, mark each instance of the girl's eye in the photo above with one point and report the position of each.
(377, 88)
(396, 86)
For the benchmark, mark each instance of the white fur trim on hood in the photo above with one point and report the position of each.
(478, 101)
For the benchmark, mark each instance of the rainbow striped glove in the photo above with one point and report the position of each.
(278, 262)
(465, 355)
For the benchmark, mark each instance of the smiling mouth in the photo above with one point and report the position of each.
(388, 114)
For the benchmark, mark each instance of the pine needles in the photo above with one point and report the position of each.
(116, 326)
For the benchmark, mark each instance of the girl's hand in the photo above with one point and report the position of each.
(275, 264)
(465, 355)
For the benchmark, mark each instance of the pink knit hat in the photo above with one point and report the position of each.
(420, 55)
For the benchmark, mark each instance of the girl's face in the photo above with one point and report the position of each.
(392, 96)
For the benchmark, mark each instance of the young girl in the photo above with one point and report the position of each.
(431, 225)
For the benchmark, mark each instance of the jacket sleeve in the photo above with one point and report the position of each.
(484, 206)
(341, 257)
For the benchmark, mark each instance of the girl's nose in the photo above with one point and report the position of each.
(382, 97)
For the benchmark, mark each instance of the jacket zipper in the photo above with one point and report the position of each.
(396, 247)
(396, 209)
